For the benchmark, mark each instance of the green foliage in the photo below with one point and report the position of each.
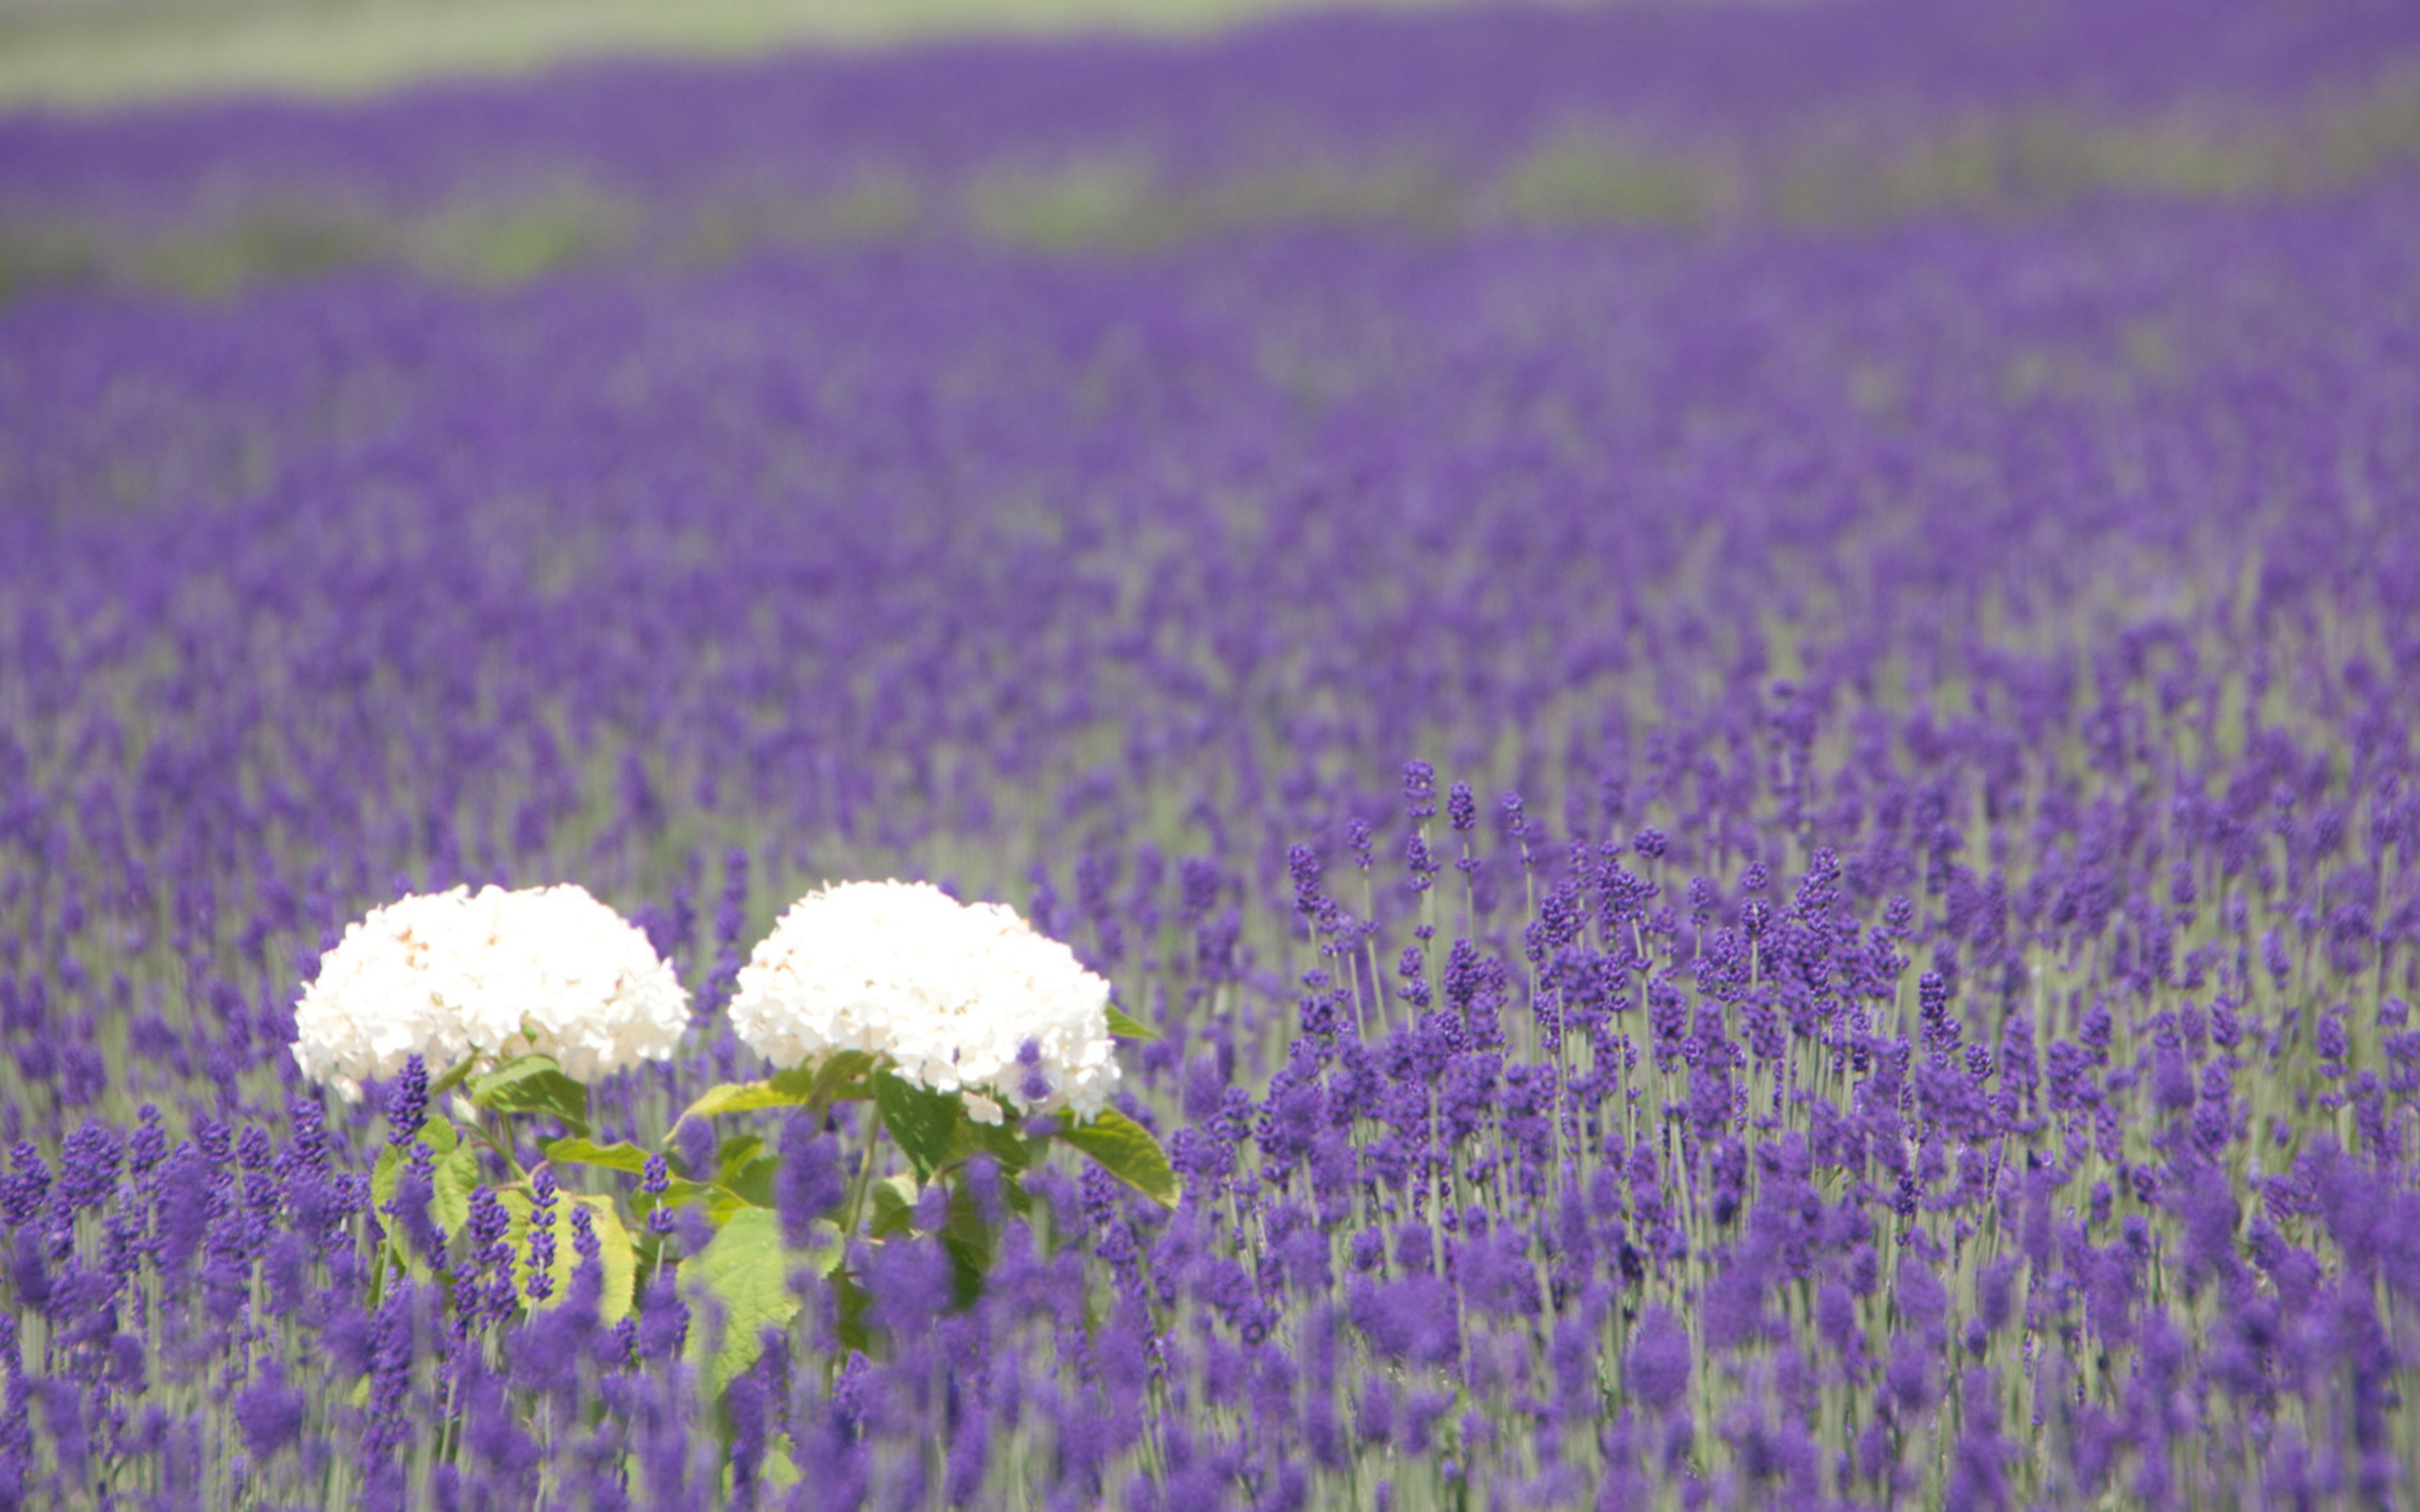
(719, 1202)
(1014, 1152)
(970, 1242)
(746, 1273)
(1126, 1150)
(388, 1168)
(923, 1121)
(894, 1205)
(458, 1177)
(455, 1166)
(846, 1076)
(576, 1150)
(1125, 1026)
(746, 1167)
(616, 1253)
(840, 1077)
(533, 1084)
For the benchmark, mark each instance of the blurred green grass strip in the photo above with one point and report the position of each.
(1846, 173)
(83, 53)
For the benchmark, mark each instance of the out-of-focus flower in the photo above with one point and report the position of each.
(457, 975)
(953, 993)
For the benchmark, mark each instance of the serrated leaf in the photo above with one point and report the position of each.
(895, 1206)
(840, 1077)
(1125, 1026)
(440, 1136)
(458, 1177)
(746, 1271)
(1002, 1142)
(575, 1150)
(970, 1242)
(746, 1168)
(737, 1097)
(850, 1305)
(719, 1202)
(533, 1084)
(737, 1151)
(1126, 1150)
(824, 1250)
(453, 1078)
(923, 1121)
(752, 1183)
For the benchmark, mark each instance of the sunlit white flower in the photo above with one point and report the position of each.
(455, 976)
(961, 997)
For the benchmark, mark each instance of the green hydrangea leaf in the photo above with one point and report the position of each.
(845, 1075)
(1126, 1150)
(842, 1076)
(454, 1077)
(746, 1272)
(1125, 1026)
(615, 1252)
(970, 1242)
(923, 1121)
(746, 1166)
(1002, 1142)
(895, 1206)
(533, 1084)
(575, 1150)
(458, 1177)
(440, 1136)
(719, 1202)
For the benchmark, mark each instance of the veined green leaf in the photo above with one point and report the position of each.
(439, 1135)
(746, 1167)
(844, 1076)
(923, 1121)
(1125, 1026)
(736, 1152)
(746, 1271)
(575, 1150)
(840, 1077)
(458, 1177)
(970, 1242)
(719, 1202)
(737, 1097)
(895, 1206)
(1126, 1150)
(1001, 1141)
(533, 1084)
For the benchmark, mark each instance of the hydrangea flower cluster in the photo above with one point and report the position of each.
(457, 975)
(960, 996)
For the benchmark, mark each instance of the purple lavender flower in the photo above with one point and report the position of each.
(1656, 1369)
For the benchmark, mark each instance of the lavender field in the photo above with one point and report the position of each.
(1730, 692)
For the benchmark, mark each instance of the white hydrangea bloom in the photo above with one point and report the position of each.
(950, 992)
(458, 975)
